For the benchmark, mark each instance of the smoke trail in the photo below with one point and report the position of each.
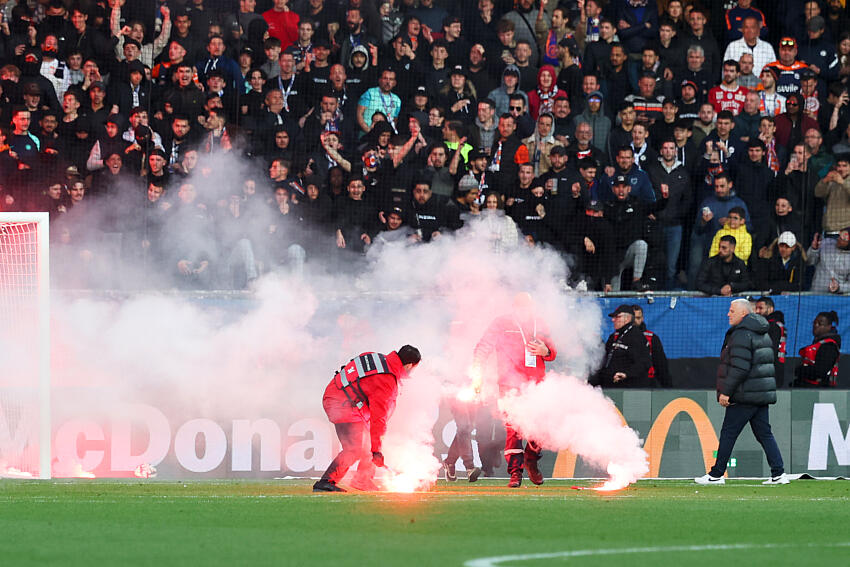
(563, 412)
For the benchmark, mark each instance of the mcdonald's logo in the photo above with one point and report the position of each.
(565, 463)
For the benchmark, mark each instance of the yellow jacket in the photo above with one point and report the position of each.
(744, 242)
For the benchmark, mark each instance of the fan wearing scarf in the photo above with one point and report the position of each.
(542, 99)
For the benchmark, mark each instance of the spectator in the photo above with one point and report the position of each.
(507, 153)
(430, 217)
(728, 95)
(724, 273)
(712, 215)
(787, 67)
(698, 35)
(747, 78)
(629, 215)
(283, 23)
(736, 226)
(754, 182)
(540, 144)
(668, 173)
(594, 115)
(750, 43)
(780, 266)
(640, 186)
(494, 226)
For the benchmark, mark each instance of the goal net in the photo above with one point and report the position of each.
(24, 346)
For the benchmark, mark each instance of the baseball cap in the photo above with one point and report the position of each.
(595, 94)
(806, 74)
(421, 90)
(624, 308)
(596, 206)
(787, 41)
(788, 238)
(621, 180)
(458, 70)
(687, 83)
(476, 154)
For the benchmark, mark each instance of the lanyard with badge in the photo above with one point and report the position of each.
(530, 359)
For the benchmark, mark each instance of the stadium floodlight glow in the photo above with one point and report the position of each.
(25, 372)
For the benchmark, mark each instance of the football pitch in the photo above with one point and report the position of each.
(209, 523)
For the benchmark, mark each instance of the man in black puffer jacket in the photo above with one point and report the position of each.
(745, 387)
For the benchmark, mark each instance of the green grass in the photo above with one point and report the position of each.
(94, 523)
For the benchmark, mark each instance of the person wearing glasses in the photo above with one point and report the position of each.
(788, 67)
(793, 123)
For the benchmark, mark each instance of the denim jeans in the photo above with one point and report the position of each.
(672, 246)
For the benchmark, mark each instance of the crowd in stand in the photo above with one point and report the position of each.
(656, 144)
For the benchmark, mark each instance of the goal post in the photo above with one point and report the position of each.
(25, 409)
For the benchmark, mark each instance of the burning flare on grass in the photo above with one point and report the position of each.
(563, 412)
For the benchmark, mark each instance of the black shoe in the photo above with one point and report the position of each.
(451, 473)
(516, 480)
(326, 486)
(474, 473)
(534, 474)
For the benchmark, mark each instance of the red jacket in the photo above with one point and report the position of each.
(283, 26)
(504, 337)
(381, 391)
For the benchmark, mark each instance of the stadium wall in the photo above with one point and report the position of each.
(680, 429)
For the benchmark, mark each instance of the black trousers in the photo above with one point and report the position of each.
(736, 418)
(461, 447)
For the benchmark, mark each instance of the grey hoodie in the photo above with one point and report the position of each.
(600, 123)
(500, 95)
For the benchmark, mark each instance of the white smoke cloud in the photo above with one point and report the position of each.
(563, 412)
(276, 359)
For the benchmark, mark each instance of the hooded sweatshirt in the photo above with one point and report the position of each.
(501, 96)
(600, 123)
(358, 79)
(539, 147)
(540, 101)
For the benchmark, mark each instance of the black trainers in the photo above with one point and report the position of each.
(451, 473)
(534, 474)
(326, 486)
(516, 480)
(474, 473)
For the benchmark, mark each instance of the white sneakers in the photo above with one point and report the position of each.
(708, 479)
(781, 479)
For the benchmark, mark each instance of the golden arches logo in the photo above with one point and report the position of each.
(565, 463)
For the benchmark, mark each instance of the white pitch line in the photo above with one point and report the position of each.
(494, 561)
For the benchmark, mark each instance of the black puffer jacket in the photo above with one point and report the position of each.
(746, 372)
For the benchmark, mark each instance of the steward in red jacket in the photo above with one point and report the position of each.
(358, 401)
(522, 346)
